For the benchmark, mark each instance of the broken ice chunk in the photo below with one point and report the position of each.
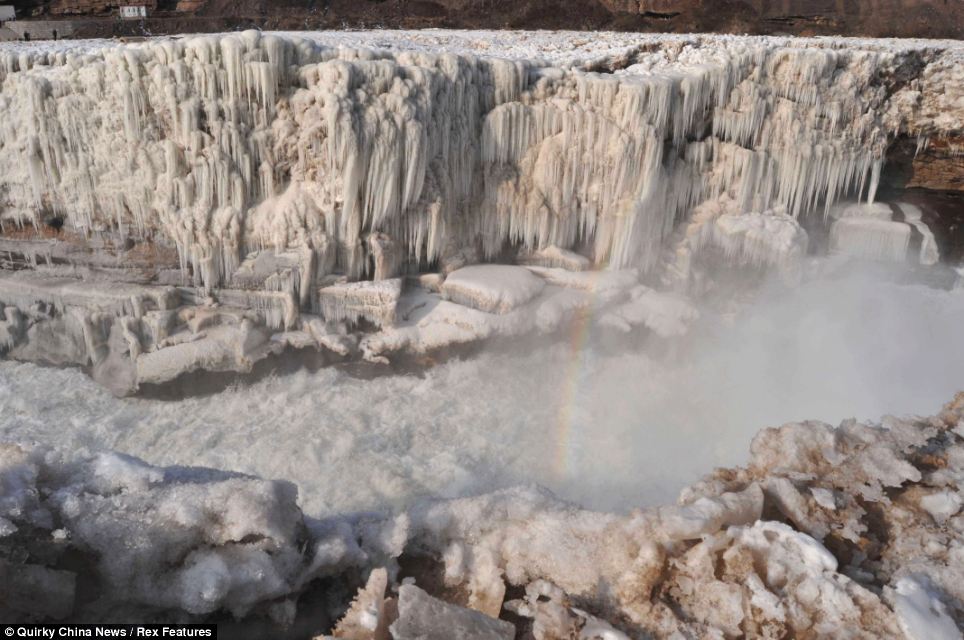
(824, 498)
(422, 617)
(941, 505)
(366, 619)
(921, 614)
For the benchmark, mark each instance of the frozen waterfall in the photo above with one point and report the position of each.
(256, 171)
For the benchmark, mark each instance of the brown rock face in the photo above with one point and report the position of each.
(937, 164)
(880, 18)
(940, 166)
(931, 177)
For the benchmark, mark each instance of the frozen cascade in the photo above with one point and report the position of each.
(929, 253)
(225, 145)
(249, 179)
(870, 231)
(871, 238)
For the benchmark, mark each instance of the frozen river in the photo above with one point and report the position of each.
(608, 428)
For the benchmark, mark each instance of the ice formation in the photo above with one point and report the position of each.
(827, 530)
(872, 231)
(244, 182)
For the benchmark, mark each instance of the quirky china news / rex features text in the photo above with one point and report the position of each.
(206, 631)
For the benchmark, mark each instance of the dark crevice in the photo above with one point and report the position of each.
(55, 223)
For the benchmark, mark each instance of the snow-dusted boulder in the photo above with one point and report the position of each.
(493, 288)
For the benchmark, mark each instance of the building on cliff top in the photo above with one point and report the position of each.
(84, 7)
(133, 11)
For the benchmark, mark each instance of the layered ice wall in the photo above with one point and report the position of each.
(253, 171)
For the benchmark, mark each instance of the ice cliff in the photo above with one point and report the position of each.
(199, 197)
(850, 530)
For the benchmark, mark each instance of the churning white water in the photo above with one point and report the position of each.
(610, 428)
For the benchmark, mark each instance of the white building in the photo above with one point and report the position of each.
(136, 11)
(7, 13)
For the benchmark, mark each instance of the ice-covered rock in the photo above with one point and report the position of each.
(757, 239)
(871, 238)
(493, 288)
(555, 258)
(929, 252)
(921, 614)
(874, 231)
(604, 286)
(373, 301)
(428, 322)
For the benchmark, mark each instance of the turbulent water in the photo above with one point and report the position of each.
(609, 428)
